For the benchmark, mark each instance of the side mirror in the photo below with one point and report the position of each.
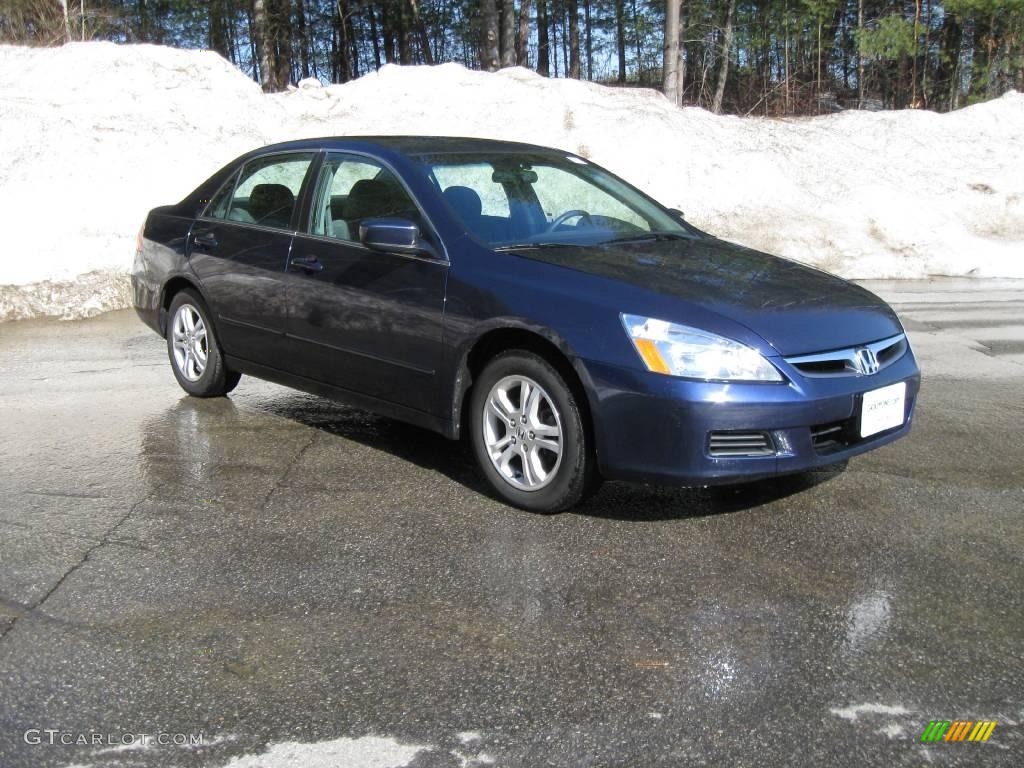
(391, 236)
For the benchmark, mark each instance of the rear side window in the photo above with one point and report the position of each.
(218, 207)
(266, 192)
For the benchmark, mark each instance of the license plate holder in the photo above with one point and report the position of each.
(883, 409)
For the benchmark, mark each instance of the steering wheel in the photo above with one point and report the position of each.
(560, 220)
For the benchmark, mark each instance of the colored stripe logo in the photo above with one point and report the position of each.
(958, 730)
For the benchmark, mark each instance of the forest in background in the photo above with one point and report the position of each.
(768, 57)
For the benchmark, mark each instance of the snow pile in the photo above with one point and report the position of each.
(92, 135)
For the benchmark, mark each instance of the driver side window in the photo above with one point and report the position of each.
(352, 189)
(560, 192)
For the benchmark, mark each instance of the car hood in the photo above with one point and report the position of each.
(795, 308)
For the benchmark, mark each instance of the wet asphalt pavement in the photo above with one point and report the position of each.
(276, 568)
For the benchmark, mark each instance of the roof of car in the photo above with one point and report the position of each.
(414, 145)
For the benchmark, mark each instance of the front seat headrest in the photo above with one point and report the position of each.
(271, 204)
(467, 204)
(369, 199)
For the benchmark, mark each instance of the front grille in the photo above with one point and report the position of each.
(850, 361)
(740, 444)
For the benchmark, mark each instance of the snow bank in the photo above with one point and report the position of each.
(92, 135)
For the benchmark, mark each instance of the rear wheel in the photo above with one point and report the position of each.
(192, 347)
(528, 434)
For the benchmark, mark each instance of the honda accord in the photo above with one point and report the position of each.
(565, 324)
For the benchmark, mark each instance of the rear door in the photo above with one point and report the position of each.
(363, 320)
(239, 250)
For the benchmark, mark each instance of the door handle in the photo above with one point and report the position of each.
(205, 240)
(307, 264)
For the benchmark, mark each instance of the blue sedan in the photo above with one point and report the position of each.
(566, 325)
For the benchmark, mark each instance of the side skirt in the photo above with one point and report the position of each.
(354, 399)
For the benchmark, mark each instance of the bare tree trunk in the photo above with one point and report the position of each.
(218, 35)
(373, 34)
(255, 45)
(353, 42)
(344, 70)
(637, 42)
(281, 28)
(507, 33)
(404, 25)
(683, 56)
(786, 104)
(588, 28)
(948, 72)
(490, 59)
(264, 44)
(723, 72)
(543, 44)
(620, 37)
(913, 74)
(860, 57)
(562, 35)
(573, 8)
(388, 28)
(982, 42)
(421, 32)
(671, 84)
(927, 45)
(300, 17)
(523, 43)
(817, 76)
(334, 75)
(67, 21)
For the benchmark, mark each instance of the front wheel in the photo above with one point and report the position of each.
(196, 358)
(529, 435)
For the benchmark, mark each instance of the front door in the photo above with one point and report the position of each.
(363, 320)
(239, 249)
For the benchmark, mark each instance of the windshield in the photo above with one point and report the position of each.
(519, 200)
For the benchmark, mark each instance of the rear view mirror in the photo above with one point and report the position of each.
(503, 176)
(391, 235)
(676, 213)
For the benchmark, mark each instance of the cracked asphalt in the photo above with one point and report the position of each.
(305, 584)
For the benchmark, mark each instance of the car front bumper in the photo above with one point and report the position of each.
(655, 428)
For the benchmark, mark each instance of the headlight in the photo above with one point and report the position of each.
(678, 350)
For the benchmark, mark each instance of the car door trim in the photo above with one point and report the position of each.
(367, 355)
(254, 326)
(359, 246)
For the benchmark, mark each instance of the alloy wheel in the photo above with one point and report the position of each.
(189, 342)
(523, 433)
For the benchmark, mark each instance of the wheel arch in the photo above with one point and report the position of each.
(546, 345)
(171, 288)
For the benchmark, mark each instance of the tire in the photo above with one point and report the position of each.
(209, 378)
(526, 472)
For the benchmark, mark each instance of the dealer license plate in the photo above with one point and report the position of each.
(882, 409)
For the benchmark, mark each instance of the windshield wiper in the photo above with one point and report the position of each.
(645, 236)
(637, 238)
(526, 246)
